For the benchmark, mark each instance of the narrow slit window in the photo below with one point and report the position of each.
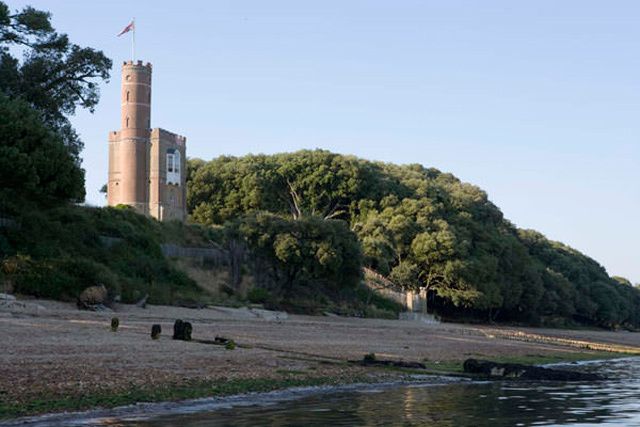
(127, 96)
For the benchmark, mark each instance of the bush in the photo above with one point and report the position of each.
(258, 295)
(65, 253)
(377, 313)
(63, 278)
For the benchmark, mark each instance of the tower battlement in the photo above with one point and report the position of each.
(159, 132)
(137, 64)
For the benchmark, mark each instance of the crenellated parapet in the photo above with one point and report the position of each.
(137, 64)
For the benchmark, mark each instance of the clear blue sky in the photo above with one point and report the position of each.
(537, 102)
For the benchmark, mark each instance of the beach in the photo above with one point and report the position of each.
(56, 357)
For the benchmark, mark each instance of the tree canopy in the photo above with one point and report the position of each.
(34, 161)
(52, 77)
(421, 228)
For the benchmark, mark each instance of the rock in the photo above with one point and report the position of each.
(156, 330)
(182, 330)
(525, 372)
(92, 297)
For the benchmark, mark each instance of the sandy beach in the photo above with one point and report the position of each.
(59, 351)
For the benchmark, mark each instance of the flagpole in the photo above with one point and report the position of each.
(133, 41)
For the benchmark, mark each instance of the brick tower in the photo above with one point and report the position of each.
(146, 167)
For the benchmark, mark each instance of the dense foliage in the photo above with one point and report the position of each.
(421, 228)
(53, 78)
(58, 252)
(300, 260)
(35, 164)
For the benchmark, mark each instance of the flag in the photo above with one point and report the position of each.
(130, 27)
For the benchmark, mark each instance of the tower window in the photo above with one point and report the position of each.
(173, 166)
(127, 96)
(127, 125)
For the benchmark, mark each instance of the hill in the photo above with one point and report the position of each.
(57, 252)
(416, 225)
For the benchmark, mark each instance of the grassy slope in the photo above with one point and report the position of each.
(56, 253)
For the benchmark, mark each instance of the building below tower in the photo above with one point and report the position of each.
(147, 167)
(167, 176)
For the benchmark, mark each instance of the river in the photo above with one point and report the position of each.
(615, 401)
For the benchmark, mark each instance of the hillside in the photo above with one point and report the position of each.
(419, 227)
(57, 252)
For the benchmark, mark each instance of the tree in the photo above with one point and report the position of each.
(54, 76)
(622, 280)
(35, 164)
(105, 190)
(420, 227)
(303, 255)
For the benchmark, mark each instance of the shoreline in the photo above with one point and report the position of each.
(62, 359)
(149, 410)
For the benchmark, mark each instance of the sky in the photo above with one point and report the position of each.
(537, 102)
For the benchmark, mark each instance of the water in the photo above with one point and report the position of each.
(615, 401)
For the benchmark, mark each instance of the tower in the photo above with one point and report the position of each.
(129, 147)
(146, 167)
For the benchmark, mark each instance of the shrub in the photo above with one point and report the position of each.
(63, 278)
(258, 295)
(65, 253)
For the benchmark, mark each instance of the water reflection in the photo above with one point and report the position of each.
(616, 401)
